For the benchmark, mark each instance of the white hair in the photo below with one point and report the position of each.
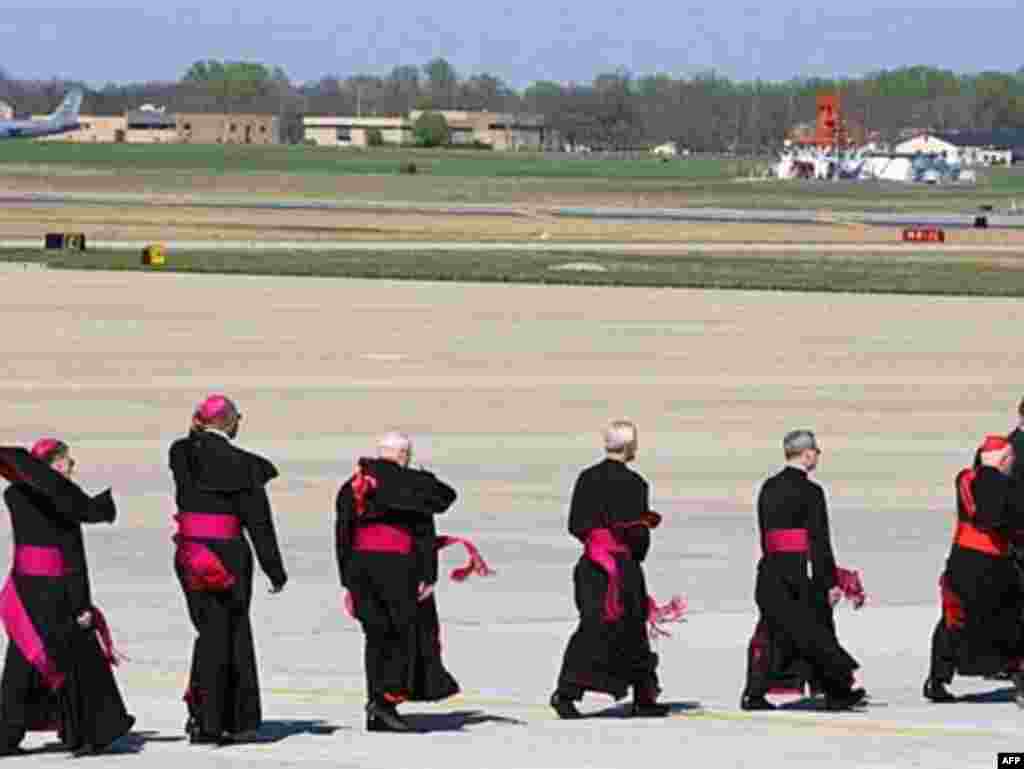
(618, 435)
(394, 441)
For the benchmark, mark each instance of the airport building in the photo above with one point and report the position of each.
(498, 130)
(355, 131)
(968, 148)
(93, 129)
(150, 126)
(153, 126)
(220, 128)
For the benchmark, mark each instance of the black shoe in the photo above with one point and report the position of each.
(1018, 684)
(564, 707)
(15, 751)
(649, 710)
(936, 691)
(848, 700)
(755, 702)
(382, 717)
(90, 749)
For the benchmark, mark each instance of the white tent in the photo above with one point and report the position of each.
(891, 169)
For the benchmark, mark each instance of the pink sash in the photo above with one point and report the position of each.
(208, 526)
(786, 541)
(382, 538)
(601, 548)
(31, 561)
(476, 565)
(203, 570)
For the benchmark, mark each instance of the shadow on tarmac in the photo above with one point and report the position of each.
(455, 722)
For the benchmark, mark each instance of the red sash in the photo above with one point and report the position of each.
(967, 534)
(203, 570)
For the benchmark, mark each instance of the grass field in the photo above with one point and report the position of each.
(317, 161)
(462, 176)
(906, 273)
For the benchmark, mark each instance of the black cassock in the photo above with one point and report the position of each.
(795, 640)
(981, 631)
(610, 656)
(403, 658)
(212, 476)
(47, 511)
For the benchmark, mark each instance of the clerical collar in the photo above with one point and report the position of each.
(221, 433)
(796, 466)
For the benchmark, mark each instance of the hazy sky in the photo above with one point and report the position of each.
(531, 40)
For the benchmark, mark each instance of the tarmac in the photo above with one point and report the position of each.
(505, 389)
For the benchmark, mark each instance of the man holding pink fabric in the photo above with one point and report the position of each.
(386, 544)
(220, 492)
(610, 652)
(797, 584)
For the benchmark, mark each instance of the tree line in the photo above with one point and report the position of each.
(617, 110)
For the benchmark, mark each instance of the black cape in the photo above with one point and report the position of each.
(385, 595)
(610, 657)
(48, 510)
(213, 476)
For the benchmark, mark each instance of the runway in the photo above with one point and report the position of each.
(954, 220)
(505, 389)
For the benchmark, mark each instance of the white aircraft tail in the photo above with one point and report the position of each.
(68, 110)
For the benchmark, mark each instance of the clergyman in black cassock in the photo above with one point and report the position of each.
(610, 651)
(982, 594)
(57, 674)
(386, 549)
(796, 638)
(221, 496)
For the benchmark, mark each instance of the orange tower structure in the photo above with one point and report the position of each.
(830, 128)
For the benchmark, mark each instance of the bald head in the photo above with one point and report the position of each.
(396, 447)
(620, 440)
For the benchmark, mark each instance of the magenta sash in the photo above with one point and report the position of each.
(476, 565)
(786, 541)
(208, 526)
(203, 570)
(34, 561)
(31, 561)
(601, 548)
(382, 538)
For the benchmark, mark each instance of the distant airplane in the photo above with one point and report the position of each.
(63, 120)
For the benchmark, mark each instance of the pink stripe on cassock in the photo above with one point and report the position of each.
(786, 541)
(24, 635)
(601, 548)
(208, 526)
(35, 561)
